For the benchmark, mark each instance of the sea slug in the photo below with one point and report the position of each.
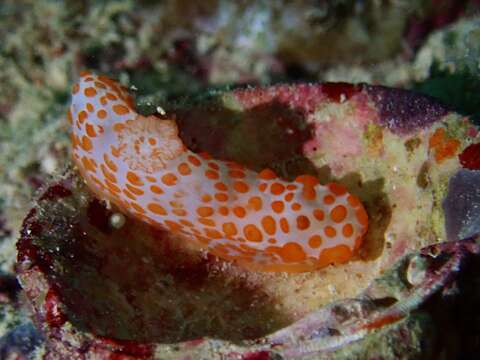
(262, 222)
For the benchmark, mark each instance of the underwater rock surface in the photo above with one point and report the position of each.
(99, 289)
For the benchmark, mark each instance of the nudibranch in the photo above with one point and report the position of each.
(260, 221)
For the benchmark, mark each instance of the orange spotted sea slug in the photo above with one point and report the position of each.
(262, 222)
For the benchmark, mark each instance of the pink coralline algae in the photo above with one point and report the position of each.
(258, 220)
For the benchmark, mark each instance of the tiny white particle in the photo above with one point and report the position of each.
(343, 97)
(117, 220)
(133, 88)
(160, 110)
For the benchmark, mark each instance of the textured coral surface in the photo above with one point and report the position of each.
(145, 288)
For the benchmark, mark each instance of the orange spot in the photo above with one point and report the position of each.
(90, 92)
(284, 225)
(337, 189)
(137, 207)
(129, 194)
(337, 255)
(212, 233)
(206, 198)
(296, 206)
(82, 116)
(115, 151)
(90, 130)
(118, 127)
(229, 229)
(86, 143)
(151, 178)
(239, 211)
(172, 225)
(184, 169)
(99, 85)
(111, 164)
(120, 109)
(69, 116)
(221, 197)
(236, 174)
(307, 180)
(291, 187)
(309, 192)
(85, 73)
(100, 184)
(269, 225)
(152, 141)
(278, 206)
(330, 231)
(75, 88)
(185, 222)
(262, 187)
(205, 211)
(303, 222)
(358, 242)
(135, 190)
(223, 210)
(103, 100)
(290, 252)
(169, 179)
(111, 96)
(362, 216)
(272, 241)
(315, 241)
(289, 197)
(179, 212)
(353, 201)
(338, 213)
(202, 240)
(204, 155)
(90, 107)
(447, 151)
(194, 160)
(134, 178)
(112, 186)
(255, 202)
(347, 230)
(204, 221)
(156, 189)
(240, 186)
(101, 114)
(277, 188)
(213, 175)
(88, 165)
(267, 174)
(213, 166)
(437, 138)
(221, 186)
(252, 233)
(328, 199)
(156, 208)
(443, 147)
(176, 204)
